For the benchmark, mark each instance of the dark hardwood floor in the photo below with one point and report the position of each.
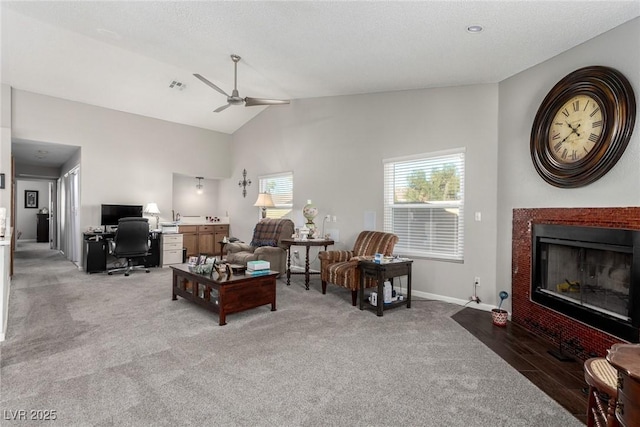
(562, 381)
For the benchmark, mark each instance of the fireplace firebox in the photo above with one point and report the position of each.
(590, 274)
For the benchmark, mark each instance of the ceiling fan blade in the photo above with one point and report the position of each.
(250, 102)
(224, 107)
(208, 83)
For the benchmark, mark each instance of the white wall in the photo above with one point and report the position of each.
(5, 149)
(125, 158)
(519, 186)
(335, 147)
(188, 202)
(26, 218)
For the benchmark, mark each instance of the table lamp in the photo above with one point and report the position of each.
(152, 209)
(264, 201)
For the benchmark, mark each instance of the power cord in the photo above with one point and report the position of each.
(324, 221)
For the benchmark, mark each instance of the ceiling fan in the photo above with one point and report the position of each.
(234, 98)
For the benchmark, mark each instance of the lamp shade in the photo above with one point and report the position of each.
(152, 208)
(264, 201)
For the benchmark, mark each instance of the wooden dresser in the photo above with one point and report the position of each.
(626, 359)
(42, 227)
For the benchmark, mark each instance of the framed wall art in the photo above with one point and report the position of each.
(31, 199)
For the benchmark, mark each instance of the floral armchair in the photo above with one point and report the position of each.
(341, 267)
(265, 245)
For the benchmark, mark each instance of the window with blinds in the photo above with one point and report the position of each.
(424, 203)
(280, 186)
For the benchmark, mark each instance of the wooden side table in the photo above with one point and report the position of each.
(626, 359)
(307, 244)
(600, 375)
(381, 272)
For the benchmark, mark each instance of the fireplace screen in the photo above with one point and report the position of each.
(590, 274)
(598, 279)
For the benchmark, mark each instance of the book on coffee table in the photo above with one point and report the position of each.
(258, 265)
(257, 272)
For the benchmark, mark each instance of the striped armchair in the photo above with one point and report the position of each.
(341, 267)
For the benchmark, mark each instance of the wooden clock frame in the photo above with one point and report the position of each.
(614, 94)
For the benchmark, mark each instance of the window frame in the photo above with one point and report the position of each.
(454, 251)
(281, 210)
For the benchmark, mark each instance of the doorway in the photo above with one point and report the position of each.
(33, 210)
(48, 170)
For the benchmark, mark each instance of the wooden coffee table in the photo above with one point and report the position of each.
(241, 292)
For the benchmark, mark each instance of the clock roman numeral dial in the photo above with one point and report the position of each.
(583, 126)
(576, 129)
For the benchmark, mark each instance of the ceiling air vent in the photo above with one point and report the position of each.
(175, 84)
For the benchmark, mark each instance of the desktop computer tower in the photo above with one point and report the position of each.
(153, 259)
(95, 256)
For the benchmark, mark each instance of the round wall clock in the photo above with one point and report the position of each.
(583, 126)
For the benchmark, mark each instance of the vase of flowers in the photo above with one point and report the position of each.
(499, 316)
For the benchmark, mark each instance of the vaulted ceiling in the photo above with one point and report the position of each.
(125, 55)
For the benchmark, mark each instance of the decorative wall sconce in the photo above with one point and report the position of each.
(199, 185)
(244, 183)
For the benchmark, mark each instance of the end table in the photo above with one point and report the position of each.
(381, 272)
(307, 244)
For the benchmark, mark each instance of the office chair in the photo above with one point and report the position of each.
(131, 242)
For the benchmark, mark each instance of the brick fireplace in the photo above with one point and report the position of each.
(575, 337)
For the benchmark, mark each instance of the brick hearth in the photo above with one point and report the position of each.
(579, 339)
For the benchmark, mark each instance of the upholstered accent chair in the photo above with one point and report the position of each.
(341, 267)
(265, 245)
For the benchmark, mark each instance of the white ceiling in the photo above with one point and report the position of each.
(123, 55)
(44, 154)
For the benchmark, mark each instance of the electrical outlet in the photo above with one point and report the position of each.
(335, 218)
(327, 218)
(476, 281)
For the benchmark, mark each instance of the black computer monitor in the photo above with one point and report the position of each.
(111, 214)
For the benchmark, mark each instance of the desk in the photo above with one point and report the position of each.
(383, 271)
(96, 249)
(307, 244)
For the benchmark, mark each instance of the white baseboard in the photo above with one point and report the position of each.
(457, 301)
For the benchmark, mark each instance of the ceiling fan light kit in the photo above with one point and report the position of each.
(234, 98)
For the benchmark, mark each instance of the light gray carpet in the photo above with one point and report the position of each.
(117, 351)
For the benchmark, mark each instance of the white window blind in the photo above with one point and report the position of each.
(280, 186)
(424, 204)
